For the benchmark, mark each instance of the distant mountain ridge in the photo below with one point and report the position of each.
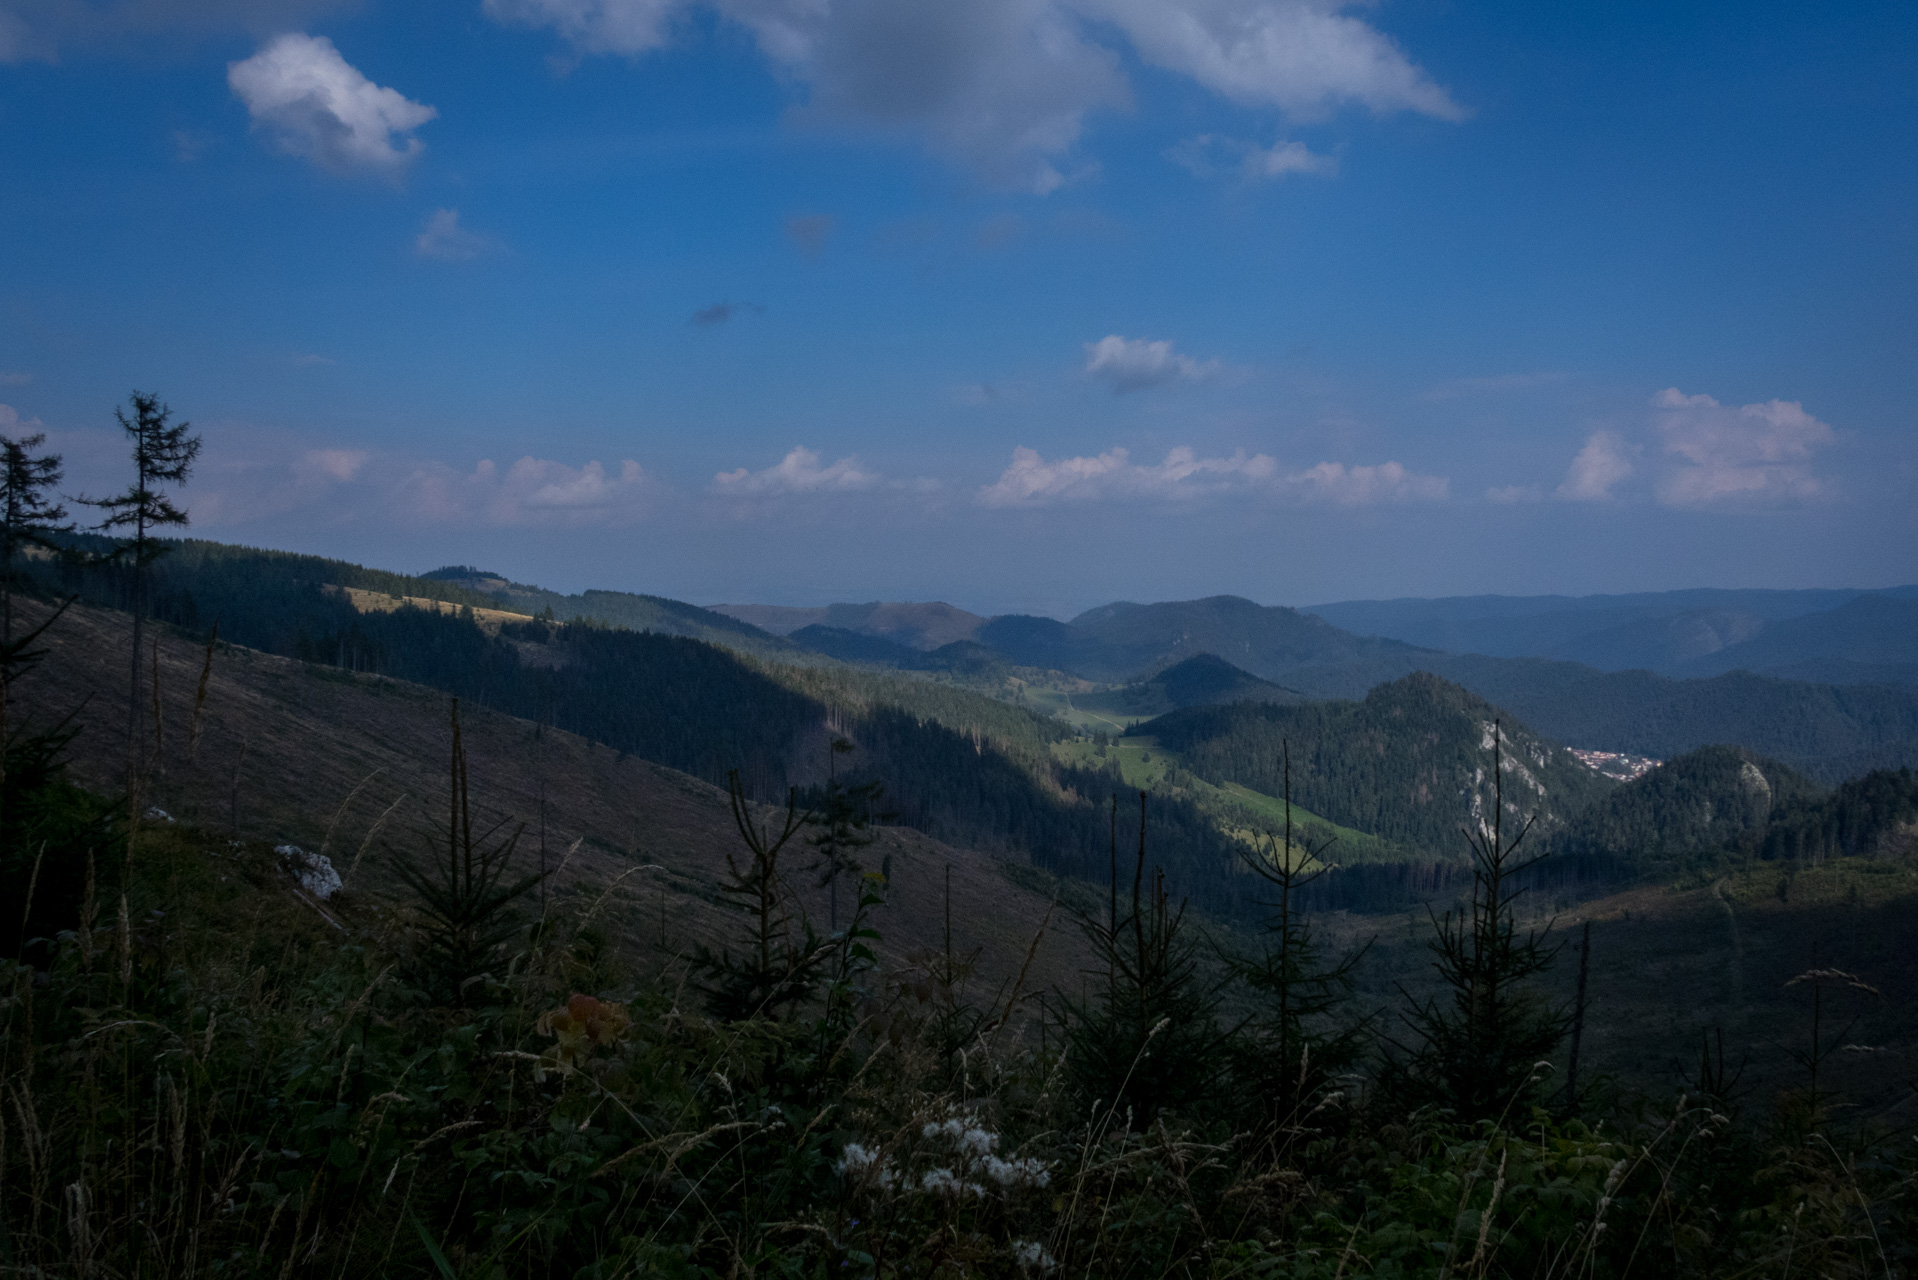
(1679, 633)
(915, 625)
(1828, 730)
(617, 608)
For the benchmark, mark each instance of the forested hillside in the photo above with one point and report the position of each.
(1829, 732)
(956, 765)
(1410, 763)
(1703, 802)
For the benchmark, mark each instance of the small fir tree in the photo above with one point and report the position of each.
(29, 515)
(1480, 1047)
(844, 818)
(1289, 1053)
(783, 960)
(1150, 1041)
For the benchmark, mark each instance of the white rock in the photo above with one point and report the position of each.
(314, 871)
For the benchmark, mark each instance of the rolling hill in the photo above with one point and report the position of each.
(1408, 764)
(1205, 680)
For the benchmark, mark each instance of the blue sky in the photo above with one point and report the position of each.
(1022, 304)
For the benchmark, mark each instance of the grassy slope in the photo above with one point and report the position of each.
(1238, 809)
(296, 751)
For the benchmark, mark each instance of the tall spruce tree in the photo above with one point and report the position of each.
(29, 515)
(163, 454)
(1477, 1048)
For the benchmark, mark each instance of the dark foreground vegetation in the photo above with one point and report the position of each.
(209, 1070)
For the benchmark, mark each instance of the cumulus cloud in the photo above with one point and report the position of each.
(1210, 155)
(313, 104)
(1136, 364)
(1604, 461)
(444, 238)
(1031, 480)
(1005, 86)
(1736, 453)
(798, 472)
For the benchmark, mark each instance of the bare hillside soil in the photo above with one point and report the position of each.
(356, 764)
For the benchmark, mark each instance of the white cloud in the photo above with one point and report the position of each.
(1604, 461)
(12, 424)
(1208, 155)
(314, 105)
(1513, 494)
(798, 472)
(1031, 480)
(1005, 86)
(1301, 56)
(1135, 364)
(340, 465)
(444, 238)
(1364, 486)
(533, 491)
(1744, 453)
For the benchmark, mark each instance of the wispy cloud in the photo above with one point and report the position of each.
(1211, 155)
(531, 492)
(1136, 364)
(446, 239)
(1513, 494)
(14, 378)
(800, 471)
(1031, 480)
(1753, 452)
(1605, 460)
(304, 96)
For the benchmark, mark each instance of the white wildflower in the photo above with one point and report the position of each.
(1032, 1256)
(1020, 1172)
